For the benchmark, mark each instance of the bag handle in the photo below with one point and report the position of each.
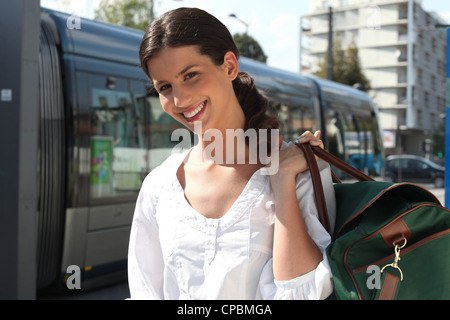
(310, 152)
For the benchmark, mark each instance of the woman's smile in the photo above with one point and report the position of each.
(193, 88)
(194, 113)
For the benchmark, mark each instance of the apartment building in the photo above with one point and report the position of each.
(401, 52)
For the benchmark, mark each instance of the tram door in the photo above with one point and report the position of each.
(354, 139)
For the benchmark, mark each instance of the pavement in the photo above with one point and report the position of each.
(116, 291)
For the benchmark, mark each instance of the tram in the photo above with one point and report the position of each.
(102, 130)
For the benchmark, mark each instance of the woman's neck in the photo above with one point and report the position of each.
(226, 147)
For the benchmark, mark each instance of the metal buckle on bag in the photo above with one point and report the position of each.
(394, 265)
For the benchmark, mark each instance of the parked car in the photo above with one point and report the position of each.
(410, 168)
(373, 163)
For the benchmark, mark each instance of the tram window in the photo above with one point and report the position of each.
(295, 120)
(118, 151)
(137, 89)
(162, 127)
(352, 136)
(373, 160)
(335, 135)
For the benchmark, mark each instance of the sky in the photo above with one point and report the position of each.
(274, 24)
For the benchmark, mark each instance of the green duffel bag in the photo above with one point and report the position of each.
(390, 241)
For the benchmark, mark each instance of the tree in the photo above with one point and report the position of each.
(255, 51)
(338, 63)
(438, 139)
(135, 14)
(346, 66)
(354, 75)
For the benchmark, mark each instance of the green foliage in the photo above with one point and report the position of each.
(137, 14)
(129, 13)
(254, 50)
(346, 66)
(438, 138)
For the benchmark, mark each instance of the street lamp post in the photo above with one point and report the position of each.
(447, 126)
(246, 44)
(152, 9)
(329, 73)
(447, 120)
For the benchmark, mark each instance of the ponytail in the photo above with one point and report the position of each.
(254, 105)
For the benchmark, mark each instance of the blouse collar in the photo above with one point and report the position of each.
(254, 187)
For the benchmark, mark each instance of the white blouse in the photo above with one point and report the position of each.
(177, 253)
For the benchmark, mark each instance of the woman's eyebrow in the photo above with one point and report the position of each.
(183, 71)
(186, 69)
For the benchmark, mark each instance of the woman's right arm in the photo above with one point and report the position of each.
(145, 261)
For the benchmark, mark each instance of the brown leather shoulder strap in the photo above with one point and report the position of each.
(317, 185)
(342, 165)
(389, 287)
(309, 152)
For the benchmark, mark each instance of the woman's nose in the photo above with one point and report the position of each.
(181, 97)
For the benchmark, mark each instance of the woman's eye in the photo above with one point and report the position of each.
(190, 75)
(164, 87)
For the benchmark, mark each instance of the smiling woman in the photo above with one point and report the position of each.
(211, 230)
(206, 46)
(190, 85)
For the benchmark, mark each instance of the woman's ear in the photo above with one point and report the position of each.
(231, 64)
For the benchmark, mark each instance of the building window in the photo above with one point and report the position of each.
(343, 3)
(420, 76)
(433, 45)
(419, 118)
(427, 100)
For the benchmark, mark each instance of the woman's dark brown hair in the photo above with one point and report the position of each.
(192, 26)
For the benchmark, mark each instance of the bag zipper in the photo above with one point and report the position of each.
(357, 214)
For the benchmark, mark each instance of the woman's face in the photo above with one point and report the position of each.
(192, 88)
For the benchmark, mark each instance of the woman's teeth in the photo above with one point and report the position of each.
(194, 112)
